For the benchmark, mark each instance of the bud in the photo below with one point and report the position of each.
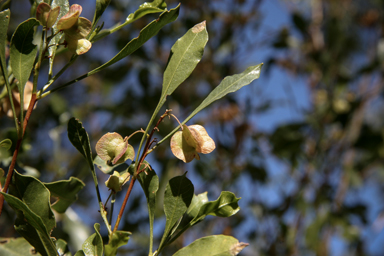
(194, 139)
(117, 180)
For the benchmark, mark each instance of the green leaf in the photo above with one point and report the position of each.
(79, 139)
(23, 53)
(80, 253)
(146, 8)
(93, 246)
(105, 168)
(225, 206)
(228, 85)
(4, 21)
(177, 198)
(30, 226)
(219, 245)
(62, 247)
(7, 143)
(65, 191)
(34, 194)
(145, 34)
(150, 184)
(118, 239)
(184, 56)
(15, 247)
(64, 8)
(101, 5)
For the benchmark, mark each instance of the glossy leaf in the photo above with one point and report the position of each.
(35, 195)
(146, 8)
(79, 139)
(4, 21)
(225, 206)
(228, 85)
(219, 245)
(64, 8)
(62, 247)
(93, 246)
(184, 56)
(150, 184)
(177, 198)
(31, 227)
(23, 53)
(80, 253)
(118, 239)
(7, 144)
(145, 34)
(65, 191)
(15, 247)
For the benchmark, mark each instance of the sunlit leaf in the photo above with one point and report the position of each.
(213, 245)
(147, 8)
(118, 239)
(93, 246)
(64, 8)
(228, 85)
(23, 53)
(145, 34)
(16, 247)
(62, 247)
(65, 191)
(184, 56)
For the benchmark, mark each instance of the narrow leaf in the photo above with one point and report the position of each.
(177, 198)
(79, 139)
(101, 5)
(62, 247)
(219, 245)
(146, 8)
(15, 247)
(118, 239)
(145, 34)
(4, 21)
(184, 56)
(228, 85)
(7, 144)
(150, 184)
(93, 246)
(65, 191)
(30, 226)
(23, 53)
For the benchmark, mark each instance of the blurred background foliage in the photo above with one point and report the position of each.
(303, 145)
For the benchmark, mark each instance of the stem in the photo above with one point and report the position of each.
(124, 204)
(41, 93)
(112, 206)
(137, 171)
(16, 152)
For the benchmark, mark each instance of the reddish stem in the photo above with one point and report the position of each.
(124, 204)
(17, 149)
